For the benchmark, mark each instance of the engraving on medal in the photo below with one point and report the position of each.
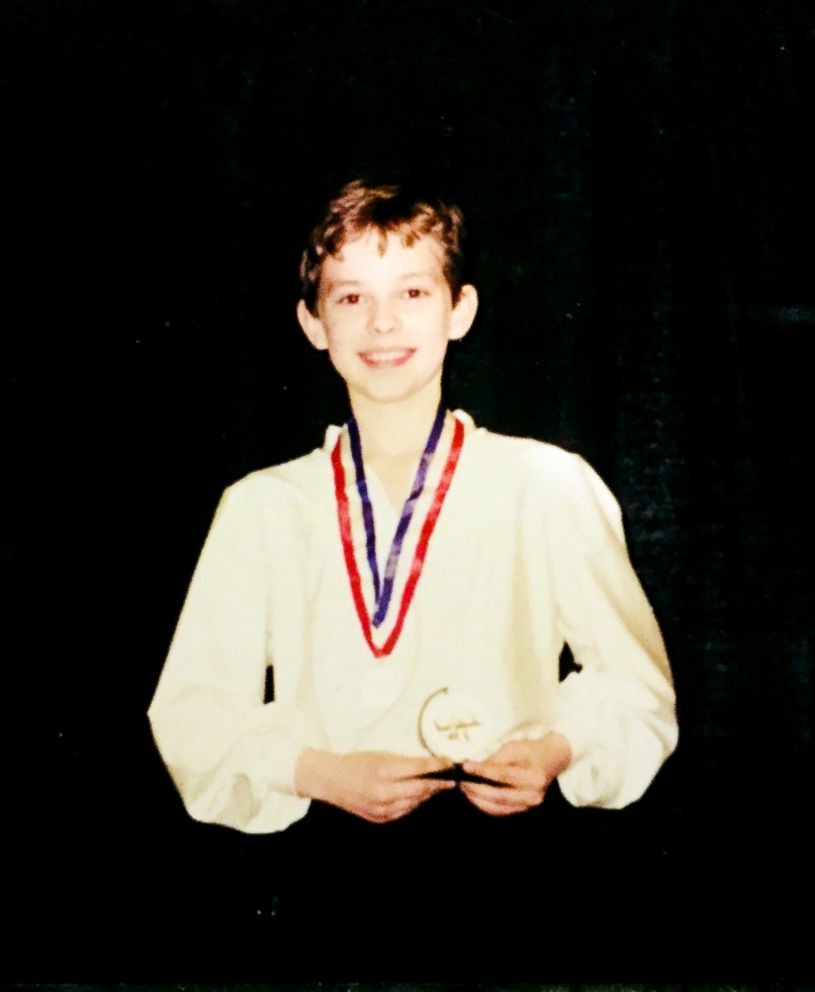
(455, 725)
(458, 730)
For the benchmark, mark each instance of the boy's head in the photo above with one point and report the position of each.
(383, 292)
(360, 207)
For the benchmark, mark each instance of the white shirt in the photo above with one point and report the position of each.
(528, 553)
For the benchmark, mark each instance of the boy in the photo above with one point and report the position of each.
(428, 664)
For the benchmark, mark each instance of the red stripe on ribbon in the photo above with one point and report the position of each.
(344, 517)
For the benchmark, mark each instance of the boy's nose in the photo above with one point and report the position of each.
(384, 319)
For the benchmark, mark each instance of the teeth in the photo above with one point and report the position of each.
(393, 356)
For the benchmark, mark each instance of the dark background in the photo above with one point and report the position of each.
(638, 181)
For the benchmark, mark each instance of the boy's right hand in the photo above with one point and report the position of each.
(376, 785)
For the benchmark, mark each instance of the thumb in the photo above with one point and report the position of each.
(438, 763)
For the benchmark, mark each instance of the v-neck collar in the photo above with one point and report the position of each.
(408, 567)
(386, 515)
(333, 431)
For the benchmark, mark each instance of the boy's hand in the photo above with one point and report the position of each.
(526, 769)
(375, 785)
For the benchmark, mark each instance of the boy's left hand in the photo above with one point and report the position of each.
(525, 769)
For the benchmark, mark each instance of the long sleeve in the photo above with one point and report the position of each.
(618, 710)
(231, 756)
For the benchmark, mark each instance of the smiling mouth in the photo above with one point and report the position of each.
(386, 358)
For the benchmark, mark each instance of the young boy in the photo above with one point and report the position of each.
(412, 583)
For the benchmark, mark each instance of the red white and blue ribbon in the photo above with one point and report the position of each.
(383, 591)
(382, 595)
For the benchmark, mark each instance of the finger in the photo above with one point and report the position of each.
(394, 810)
(493, 808)
(418, 788)
(403, 808)
(393, 767)
(516, 798)
(402, 768)
(512, 775)
(516, 802)
(438, 785)
(384, 812)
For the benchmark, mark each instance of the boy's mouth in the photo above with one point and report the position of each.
(386, 358)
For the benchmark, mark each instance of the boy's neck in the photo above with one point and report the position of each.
(395, 430)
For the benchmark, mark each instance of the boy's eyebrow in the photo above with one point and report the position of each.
(330, 286)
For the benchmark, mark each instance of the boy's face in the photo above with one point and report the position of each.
(385, 317)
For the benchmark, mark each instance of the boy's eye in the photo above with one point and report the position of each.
(414, 293)
(350, 298)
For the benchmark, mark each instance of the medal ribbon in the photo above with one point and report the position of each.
(344, 517)
(382, 595)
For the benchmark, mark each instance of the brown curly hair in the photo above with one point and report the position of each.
(389, 208)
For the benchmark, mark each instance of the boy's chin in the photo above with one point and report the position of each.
(389, 401)
(397, 393)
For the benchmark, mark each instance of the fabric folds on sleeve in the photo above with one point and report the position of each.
(618, 710)
(231, 756)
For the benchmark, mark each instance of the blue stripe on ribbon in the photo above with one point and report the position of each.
(382, 595)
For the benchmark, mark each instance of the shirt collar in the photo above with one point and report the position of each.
(333, 431)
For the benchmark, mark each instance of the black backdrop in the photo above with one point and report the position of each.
(639, 185)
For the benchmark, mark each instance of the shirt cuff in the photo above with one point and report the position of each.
(271, 747)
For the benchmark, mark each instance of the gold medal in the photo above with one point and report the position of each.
(455, 725)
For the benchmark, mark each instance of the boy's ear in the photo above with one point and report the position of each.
(463, 312)
(312, 326)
